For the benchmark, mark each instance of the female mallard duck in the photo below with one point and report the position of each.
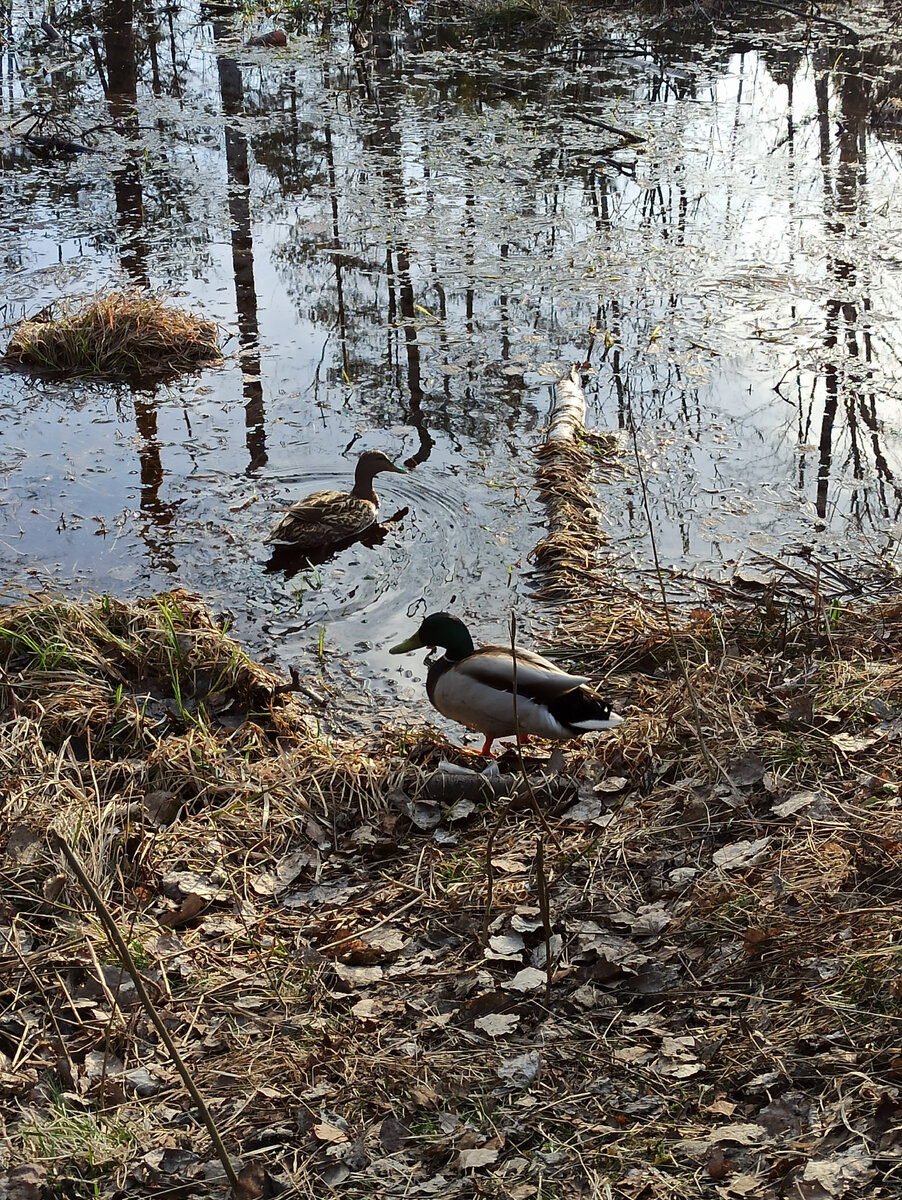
(326, 517)
(475, 687)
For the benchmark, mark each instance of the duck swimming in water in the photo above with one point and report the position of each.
(476, 687)
(324, 518)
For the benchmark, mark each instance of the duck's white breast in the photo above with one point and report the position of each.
(490, 711)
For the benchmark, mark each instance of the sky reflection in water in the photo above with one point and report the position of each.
(403, 246)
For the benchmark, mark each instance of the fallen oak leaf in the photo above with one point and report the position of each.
(526, 980)
(323, 1132)
(251, 1182)
(740, 854)
(497, 1024)
(190, 908)
(472, 1160)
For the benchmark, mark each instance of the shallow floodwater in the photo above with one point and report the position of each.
(405, 243)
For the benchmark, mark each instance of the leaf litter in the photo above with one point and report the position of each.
(363, 1014)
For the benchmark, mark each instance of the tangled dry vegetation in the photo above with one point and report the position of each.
(686, 980)
(123, 336)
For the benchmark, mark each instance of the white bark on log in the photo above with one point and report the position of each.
(564, 556)
(568, 412)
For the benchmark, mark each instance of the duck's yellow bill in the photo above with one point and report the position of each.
(412, 643)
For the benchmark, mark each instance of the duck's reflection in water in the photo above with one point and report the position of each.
(289, 560)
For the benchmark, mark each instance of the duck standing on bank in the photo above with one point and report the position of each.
(325, 518)
(476, 687)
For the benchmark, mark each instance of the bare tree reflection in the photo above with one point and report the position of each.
(380, 87)
(847, 373)
(121, 85)
(231, 90)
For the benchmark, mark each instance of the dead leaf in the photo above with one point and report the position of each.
(848, 743)
(287, 870)
(178, 884)
(788, 1114)
(742, 1185)
(507, 945)
(632, 1054)
(795, 803)
(739, 855)
(742, 1134)
(497, 1024)
(24, 845)
(724, 1108)
(393, 1135)
(460, 810)
(836, 1175)
(746, 770)
(97, 1064)
(649, 920)
(584, 810)
(26, 1182)
(161, 807)
(368, 1009)
(522, 1070)
(555, 946)
(190, 908)
(323, 1132)
(526, 980)
(611, 785)
(524, 922)
(357, 977)
(718, 1165)
(509, 865)
(472, 1160)
(251, 1181)
(145, 1083)
(385, 941)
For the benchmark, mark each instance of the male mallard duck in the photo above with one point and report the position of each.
(475, 687)
(325, 517)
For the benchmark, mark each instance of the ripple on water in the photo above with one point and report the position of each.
(362, 596)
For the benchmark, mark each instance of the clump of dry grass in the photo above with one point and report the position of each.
(159, 698)
(123, 335)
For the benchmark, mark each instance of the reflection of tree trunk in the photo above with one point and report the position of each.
(843, 327)
(470, 242)
(407, 307)
(239, 186)
(388, 142)
(148, 18)
(6, 27)
(122, 98)
(121, 82)
(336, 256)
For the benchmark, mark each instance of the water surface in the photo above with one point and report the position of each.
(404, 244)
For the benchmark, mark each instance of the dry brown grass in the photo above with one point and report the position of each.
(121, 336)
(719, 1025)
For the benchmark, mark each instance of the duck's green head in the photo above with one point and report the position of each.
(439, 629)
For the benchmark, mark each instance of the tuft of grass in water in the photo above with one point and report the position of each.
(122, 335)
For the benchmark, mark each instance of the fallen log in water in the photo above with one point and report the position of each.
(564, 557)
